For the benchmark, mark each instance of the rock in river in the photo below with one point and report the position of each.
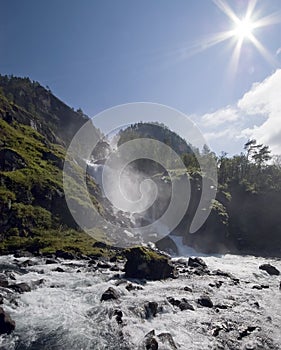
(7, 325)
(270, 269)
(148, 264)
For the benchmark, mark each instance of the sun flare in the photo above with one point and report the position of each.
(243, 29)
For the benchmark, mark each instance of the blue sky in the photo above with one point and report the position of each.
(97, 54)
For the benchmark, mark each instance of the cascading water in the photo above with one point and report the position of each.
(65, 311)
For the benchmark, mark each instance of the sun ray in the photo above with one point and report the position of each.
(224, 7)
(235, 57)
(264, 52)
(244, 28)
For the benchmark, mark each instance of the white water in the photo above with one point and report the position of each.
(66, 312)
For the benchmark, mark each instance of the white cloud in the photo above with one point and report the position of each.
(257, 115)
(265, 99)
(221, 116)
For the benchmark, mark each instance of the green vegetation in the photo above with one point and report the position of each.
(34, 214)
(245, 213)
(146, 254)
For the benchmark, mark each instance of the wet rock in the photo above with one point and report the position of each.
(150, 342)
(20, 287)
(256, 286)
(1, 299)
(205, 301)
(185, 305)
(173, 301)
(7, 325)
(221, 306)
(260, 286)
(119, 315)
(10, 275)
(110, 294)
(37, 283)
(187, 289)
(26, 263)
(131, 287)
(182, 304)
(245, 332)
(225, 326)
(103, 265)
(197, 262)
(148, 264)
(167, 340)
(58, 269)
(270, 269)
(216, 330)
(150, 309)
(216, 284)
(3, 281)
(51, 261)
(65, 255)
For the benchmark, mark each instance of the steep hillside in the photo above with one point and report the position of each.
(35, 127)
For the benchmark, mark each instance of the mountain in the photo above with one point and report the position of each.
(36, 127)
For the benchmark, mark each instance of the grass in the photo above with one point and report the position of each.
(29, 217)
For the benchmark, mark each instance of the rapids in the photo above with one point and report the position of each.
(65, 311)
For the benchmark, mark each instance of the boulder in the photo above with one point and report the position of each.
(270, 269)
(197, 262)
(65, 255)
(205, 301)
(7, 325)
(150, 342)
(110, 294)
(167, 340)
(20, 287)
(182, 304)
(173, 301)
(144, 263)
(185, 305)
(150, 309)
(119, 315)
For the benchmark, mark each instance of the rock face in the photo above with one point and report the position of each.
(10, 160)
(270, 269)
(7, 325)
(143, 263)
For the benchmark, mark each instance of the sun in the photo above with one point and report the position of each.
(243, 29)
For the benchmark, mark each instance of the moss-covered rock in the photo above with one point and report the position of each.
(144, 263)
